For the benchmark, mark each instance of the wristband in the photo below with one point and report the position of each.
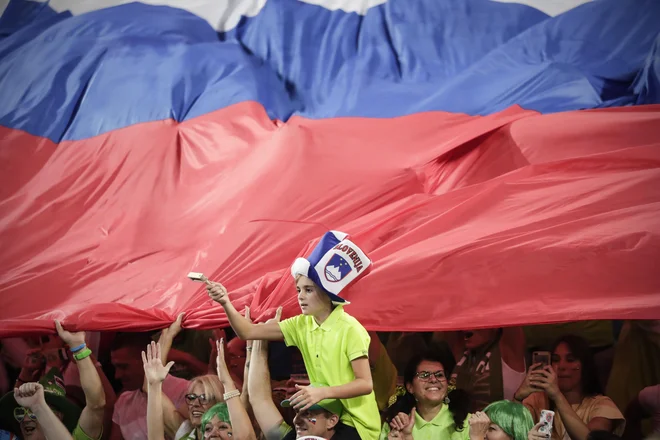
(78, 348)
(83, 354)
(231, 395)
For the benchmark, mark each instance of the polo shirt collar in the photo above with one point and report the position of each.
(443, 418)
(331, 321)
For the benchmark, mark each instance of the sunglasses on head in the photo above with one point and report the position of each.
(425, 376)
(190, 398)
(20, 413)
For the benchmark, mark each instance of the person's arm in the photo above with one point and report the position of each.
(240, 421)
(245, 399)
(167, 336)
(242, 327)
(261, 397)
(155, 373)
(172, 418)
(360, 386)
(92, 416)
(575, 427)
(31, 395)
(526, 388)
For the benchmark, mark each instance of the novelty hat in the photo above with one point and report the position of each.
(333, 406)
(55, 395)
(334, 263)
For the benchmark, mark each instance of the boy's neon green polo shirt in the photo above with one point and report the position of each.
(328, 350)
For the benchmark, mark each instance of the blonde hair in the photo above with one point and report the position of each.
(211, 385)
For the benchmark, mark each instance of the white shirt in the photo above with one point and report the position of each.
(511, 380)
(131, 407)
(185, 431)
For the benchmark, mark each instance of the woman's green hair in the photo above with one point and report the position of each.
(512, 417)
(220, 410)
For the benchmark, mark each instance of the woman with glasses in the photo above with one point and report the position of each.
(224, 420)
(203, 393)
(428, 409)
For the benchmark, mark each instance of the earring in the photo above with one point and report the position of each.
(446, 400)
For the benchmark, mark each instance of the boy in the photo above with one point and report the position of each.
(334, 345)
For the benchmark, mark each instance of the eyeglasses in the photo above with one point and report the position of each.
(190, 398)
(425, 376)
(20, 413)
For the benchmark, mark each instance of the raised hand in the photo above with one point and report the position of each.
(30, 395)
(154, 371)
(527, 386)
(479, 423)
(72, 339)
(174, 328)
(277, 317)
(404, 423)
(546, 380)
(221, 363)
(534, 434)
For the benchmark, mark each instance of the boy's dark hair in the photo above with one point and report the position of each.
(459, 400)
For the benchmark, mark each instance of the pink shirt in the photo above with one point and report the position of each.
(131, 407)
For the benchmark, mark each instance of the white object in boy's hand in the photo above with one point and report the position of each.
(197, 276)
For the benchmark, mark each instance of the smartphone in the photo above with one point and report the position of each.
(541, 357)
(547, 418)
(197, 276)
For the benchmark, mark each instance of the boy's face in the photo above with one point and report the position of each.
(316, 422)
(311, 299)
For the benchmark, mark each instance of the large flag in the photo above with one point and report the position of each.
(498, 160)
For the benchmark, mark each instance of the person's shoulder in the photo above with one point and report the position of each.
(349, 320)
(297, 319)
(600, 400)
(298, 322)
(125, 398)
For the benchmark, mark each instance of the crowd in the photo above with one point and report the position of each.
(321, 375)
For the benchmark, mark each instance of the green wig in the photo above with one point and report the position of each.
(220, 410)
(514, 419)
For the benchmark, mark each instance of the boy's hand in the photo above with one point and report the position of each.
(306, 397)
(217, 292)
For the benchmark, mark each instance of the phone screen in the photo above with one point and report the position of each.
(541, 357)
